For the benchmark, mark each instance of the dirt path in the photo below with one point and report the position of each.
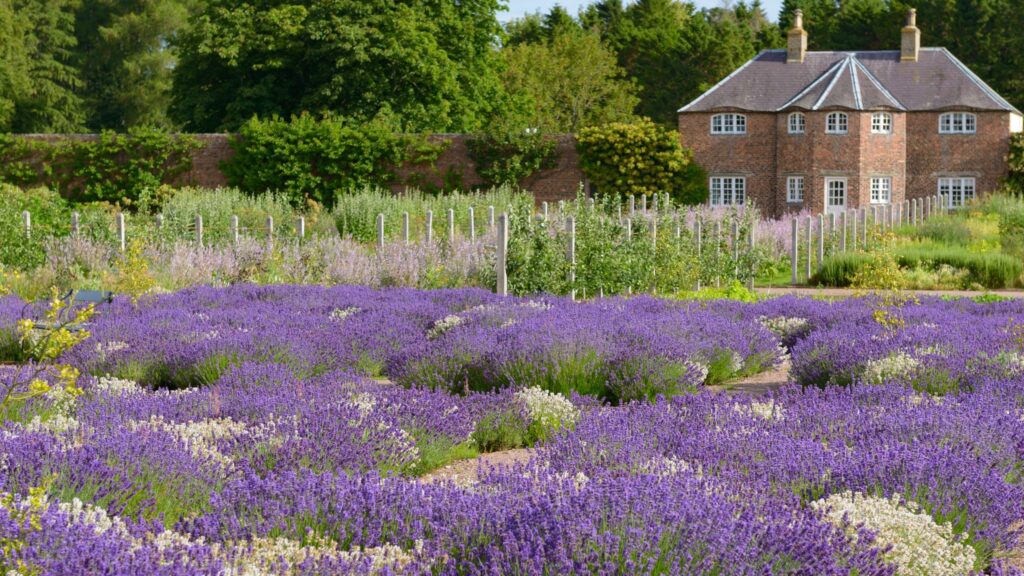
(464, 472)
(758, 384)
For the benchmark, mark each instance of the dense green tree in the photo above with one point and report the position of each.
(51, 102)
(14, 62)
(569, 82)
(126, 59)
(432, 63)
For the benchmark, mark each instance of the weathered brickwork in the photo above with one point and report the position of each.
(454, 166)
(913, 156)
(931, 155)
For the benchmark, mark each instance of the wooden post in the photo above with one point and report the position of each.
(864, 228)
(302, 228)
(654, 202)
(570, 228)
(753, 261)
(75, 228)
(430, 225)
(795, 252)
(502, 255)
(810, 246)
(405, 227)
(632, 205)
(653, 227)
(679, 228)
(26, 220)
(735, 248)
(821, 241)
(718, 250)
(832, 230)
(853, 230)
(842, 237)
(159, 221)
(619, 208)
(270, 231)
(380, 231)
(451, 226)
(234, 230)
(590, 205)
(698, 236)
(544, 209)
(490, 217)
(199, 230)
(121, 232)
(629, 229)
(643, 203)
(472, 225)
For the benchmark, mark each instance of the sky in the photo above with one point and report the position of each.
(518, 8)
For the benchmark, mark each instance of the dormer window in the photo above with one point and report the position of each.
(881, 123)
(958, 123)
(797, 123)
(837, 123)
(728, 124)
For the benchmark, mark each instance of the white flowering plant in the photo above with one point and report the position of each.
(549, 412)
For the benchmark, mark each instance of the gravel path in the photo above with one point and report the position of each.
(464, 472)
(757, 384)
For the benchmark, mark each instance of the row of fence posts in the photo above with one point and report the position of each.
(847, 230)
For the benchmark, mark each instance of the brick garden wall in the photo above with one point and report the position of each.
(454, 165)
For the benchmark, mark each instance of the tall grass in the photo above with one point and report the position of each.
(990, 270)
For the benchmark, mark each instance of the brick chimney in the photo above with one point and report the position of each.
(910, 43)
(796, 46)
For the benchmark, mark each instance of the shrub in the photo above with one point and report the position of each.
(990, 270)
(50, 216)
(640, 159)
(318, 160)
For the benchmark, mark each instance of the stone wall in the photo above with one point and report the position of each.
(454, 165)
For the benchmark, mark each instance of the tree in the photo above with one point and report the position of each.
(639, 158)
(14, 62)
(432, 63)
(126, 59)
(568, 83)
(51, 102)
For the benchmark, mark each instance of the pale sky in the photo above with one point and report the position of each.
(518, 8)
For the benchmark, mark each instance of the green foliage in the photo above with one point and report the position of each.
(431, 63)
(115, 168)
(50, 217)
(735, 290)
(508, 158)
(311, 160)
(568, 82)
(1015, 159)
(988, 270)
(640, 159)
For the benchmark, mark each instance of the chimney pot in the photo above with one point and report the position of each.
(796, 40)
(910, 39)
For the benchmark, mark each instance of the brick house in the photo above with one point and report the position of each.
(824, 131)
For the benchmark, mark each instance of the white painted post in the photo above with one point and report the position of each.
(654, 202)
(380, 231)
(75, 228)
(632, 205)
(679, 228)
(821, 241)
(430, 225)
(270, 231)
(121, 232)
(864, 228)
(302, 228)
(570, 228)
(590, 205)
(629, 229)
(753, 261)
(810, 246)
(795, 251)
(643, 203)
(832, 230)
(653, 227)
(842, 238)
(735, 248)
(502, 255)
(451, 226)
(544, 209)
(199, 230)
(853, 227)
(234, 230)
(698, 236)
(718, 250)
(913, 212)
(26, 220)
(490, 217)
(619, 208)
(472, 225)
(159, 221)
(405, 227)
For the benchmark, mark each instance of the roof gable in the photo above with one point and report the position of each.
(851, 80)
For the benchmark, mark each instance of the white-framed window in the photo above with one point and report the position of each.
(956, 192)
(881, 190)
(797, 123)
(837, 123)
(958, 123)
(881, 123)
(728, 190)
(728, 124)
(795, 189)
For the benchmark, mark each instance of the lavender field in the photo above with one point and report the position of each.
(305, 430)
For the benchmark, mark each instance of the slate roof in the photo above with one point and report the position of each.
(851, 80)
